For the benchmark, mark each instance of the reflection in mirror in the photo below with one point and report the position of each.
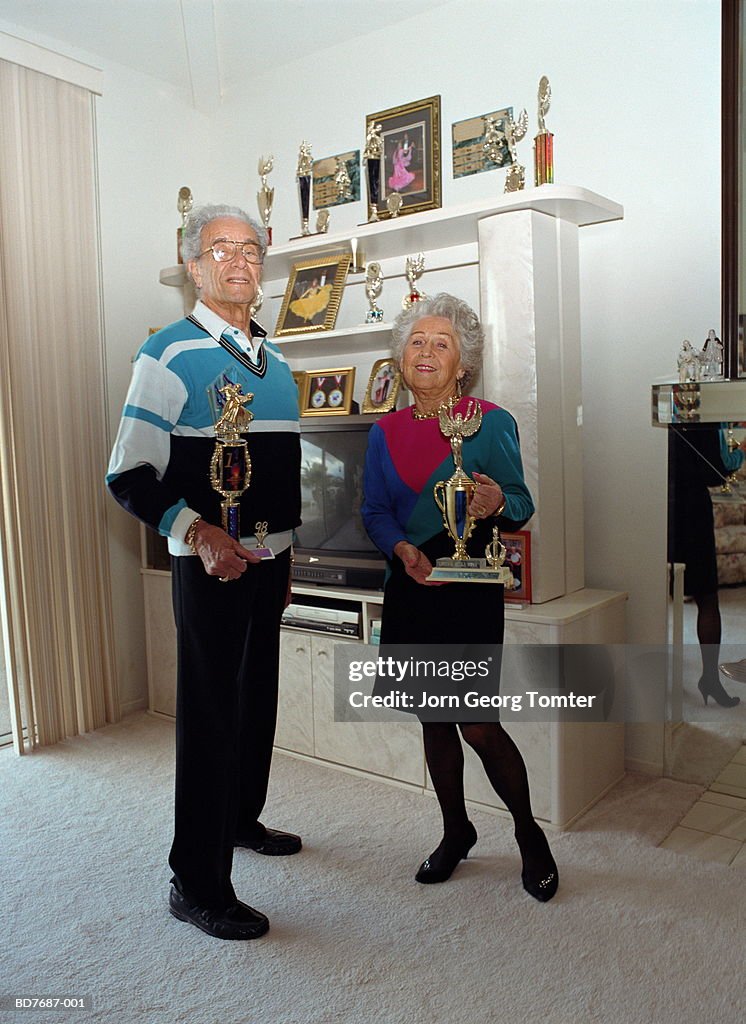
(699, 749)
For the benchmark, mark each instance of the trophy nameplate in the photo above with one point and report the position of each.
(453, 497)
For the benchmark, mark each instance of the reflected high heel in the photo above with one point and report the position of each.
(442, 862)
(714, 688)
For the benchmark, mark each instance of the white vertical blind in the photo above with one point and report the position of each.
(52, 422)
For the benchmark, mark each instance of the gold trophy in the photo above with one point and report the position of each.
(516, 177)
(544, 141)
(230, 466)
(414, 268)
(373, 156)
(266, 195)
(453, 497)
(303, 176)
(184, 203)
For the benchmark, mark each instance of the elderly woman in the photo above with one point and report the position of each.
(438, 344)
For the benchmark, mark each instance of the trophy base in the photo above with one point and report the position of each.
(374, 316)
(470, 570)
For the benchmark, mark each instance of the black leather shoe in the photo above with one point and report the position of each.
(237, 922)
(442, 862)
(273, 843)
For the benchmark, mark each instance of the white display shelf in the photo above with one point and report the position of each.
(347, 341)
(173, 276)
(438, 229)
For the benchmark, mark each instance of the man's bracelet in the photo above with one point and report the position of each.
(191, 530)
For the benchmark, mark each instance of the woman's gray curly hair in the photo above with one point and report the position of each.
(191, 245)
(463, 319)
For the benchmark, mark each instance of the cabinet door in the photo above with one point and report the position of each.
(160, 639)
(391, 749)
(295, 706)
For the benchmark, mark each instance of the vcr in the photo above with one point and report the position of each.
(339, 576)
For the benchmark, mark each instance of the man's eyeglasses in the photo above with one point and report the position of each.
(224, 250)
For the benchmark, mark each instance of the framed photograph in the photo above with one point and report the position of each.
(411, 154)
(467, 139)
(328, 392)
(519, 561)
(313, 293)
(336, 180)
(299, 376)
(741, 346)
(383, 386)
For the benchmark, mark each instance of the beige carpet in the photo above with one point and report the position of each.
(636, 934)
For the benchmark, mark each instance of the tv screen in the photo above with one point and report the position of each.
(332, 533)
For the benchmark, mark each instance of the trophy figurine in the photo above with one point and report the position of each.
(303, 174)
(516, 177)
(342, 181)
(544, 141)
(373, 288)
(453, 497)
(266, 195)
(184, 204)
(372, 154)
(495, 141)
(230, 466)
(414, 267)
(394, 203)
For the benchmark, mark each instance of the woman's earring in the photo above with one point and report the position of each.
(458, 387)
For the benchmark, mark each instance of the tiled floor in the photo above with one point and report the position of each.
(715, 827)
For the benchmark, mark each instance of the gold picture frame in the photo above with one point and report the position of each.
(411, 155)
(328, 392)
(383, 386)
(313, 294)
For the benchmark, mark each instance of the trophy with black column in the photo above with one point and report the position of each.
(453, 497)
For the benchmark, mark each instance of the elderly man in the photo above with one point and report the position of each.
(228, 600)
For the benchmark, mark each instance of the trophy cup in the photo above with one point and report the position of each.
(266, 195)
(184, 204)
(415, 265)
(394, 203)
(372, 155)
(230, 466)
(303, 174)
(373, 288)
(452, 497)
(516, 177)
(544, 141)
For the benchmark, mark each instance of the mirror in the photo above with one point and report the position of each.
(697, 751)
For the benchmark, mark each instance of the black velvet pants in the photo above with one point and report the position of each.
(228, 637)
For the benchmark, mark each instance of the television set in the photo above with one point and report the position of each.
(331, 546)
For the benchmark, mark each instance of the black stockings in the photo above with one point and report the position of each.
(709, 633)
(506, 771)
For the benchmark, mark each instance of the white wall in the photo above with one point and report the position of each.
(635, 113)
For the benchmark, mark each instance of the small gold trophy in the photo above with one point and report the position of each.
(414, 268)
(266, 195)
(373, 155)
(373, 288)
(544, 141)
(452, 498)
(516, 176)
(230, 466)
(184, 203)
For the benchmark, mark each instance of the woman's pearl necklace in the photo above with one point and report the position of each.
(443, 407)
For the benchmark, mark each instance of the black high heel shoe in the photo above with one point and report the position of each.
(442, 862)
(714, 688)
(540, 876)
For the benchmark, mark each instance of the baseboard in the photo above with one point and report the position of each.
(141, 704)
(633, 764)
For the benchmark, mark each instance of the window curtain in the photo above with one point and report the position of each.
(56, 605)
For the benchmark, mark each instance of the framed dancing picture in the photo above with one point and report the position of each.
(383, 386)
(313, 294)
(411, 155)
(328, 392)
(518, 559)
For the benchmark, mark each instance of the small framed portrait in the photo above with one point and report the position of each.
(472, 151)
(313, 294)
(411, 155)
(518, 559)
(336, 180)
(328, 392)
(383, 386)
